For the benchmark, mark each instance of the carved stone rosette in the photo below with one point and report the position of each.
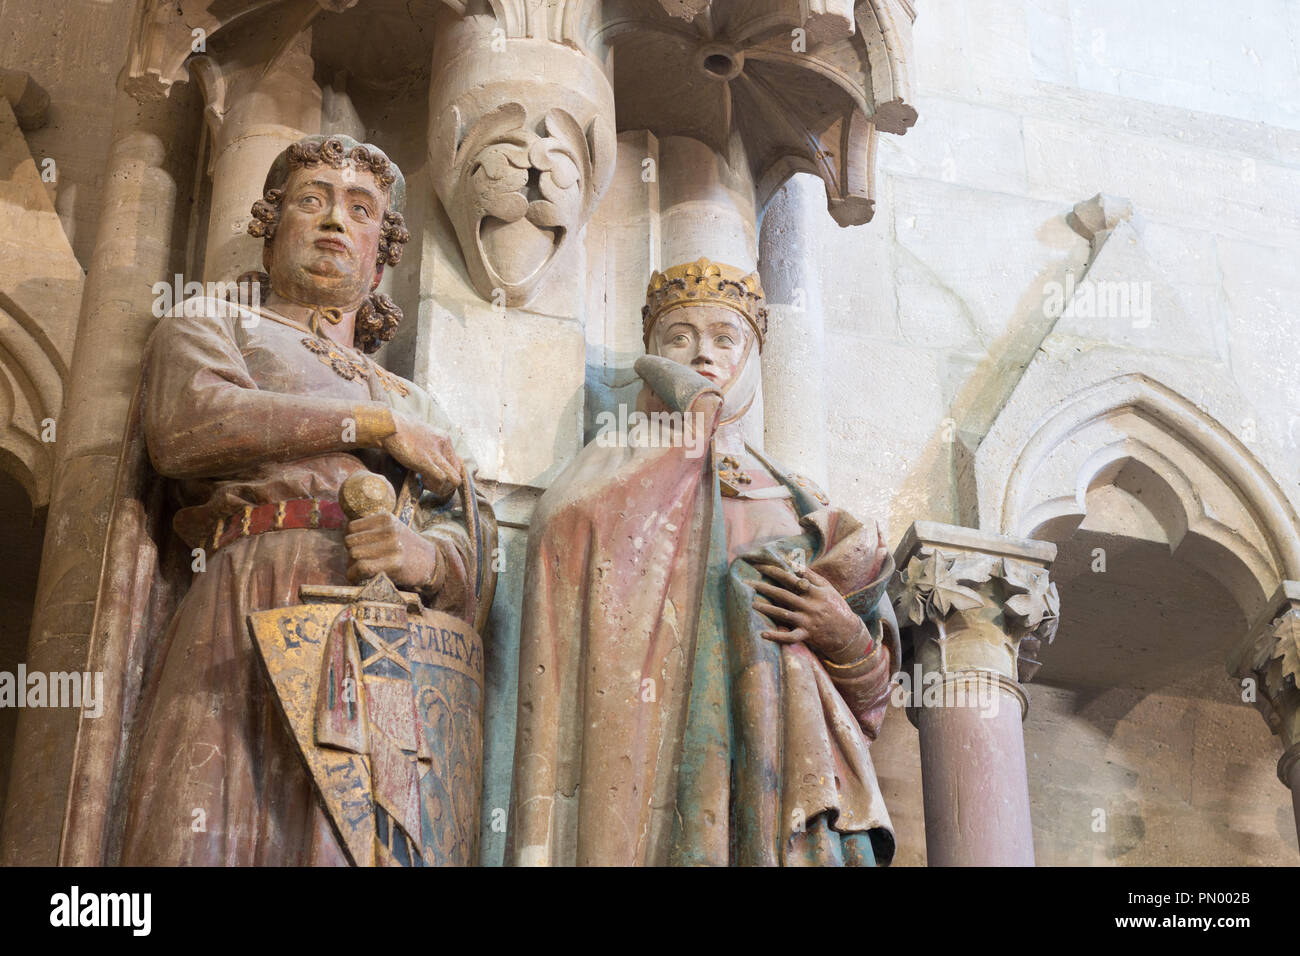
(974, 604)
(521, 148)
(1269, 659)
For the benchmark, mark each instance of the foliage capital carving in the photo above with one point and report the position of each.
(959, 585)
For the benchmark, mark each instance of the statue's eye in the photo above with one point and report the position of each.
(309, 202)
(361, 210)
(679, 339)
(726, 341)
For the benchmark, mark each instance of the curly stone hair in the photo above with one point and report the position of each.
(378, 316)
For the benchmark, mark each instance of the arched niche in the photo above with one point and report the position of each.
(24, 530)
(1139, 459)
(32, 374)
(1134, 713)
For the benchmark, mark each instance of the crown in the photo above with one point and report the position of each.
(704, 283)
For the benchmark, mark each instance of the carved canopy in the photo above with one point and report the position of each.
(801, 85)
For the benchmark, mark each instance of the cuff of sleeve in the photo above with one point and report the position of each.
(433, 586)
(374, 423)
(858, 650)
(864, 666)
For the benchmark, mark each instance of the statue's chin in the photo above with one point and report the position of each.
(339, 291)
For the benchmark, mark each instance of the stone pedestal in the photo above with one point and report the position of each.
(1268, 664)
(974, 608)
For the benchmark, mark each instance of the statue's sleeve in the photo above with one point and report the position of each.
(857, 563)
(865, 685)
(205, 416)
(464, 581)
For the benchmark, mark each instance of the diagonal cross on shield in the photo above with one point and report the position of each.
(384, 698)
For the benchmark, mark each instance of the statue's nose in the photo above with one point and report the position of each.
(333, 218)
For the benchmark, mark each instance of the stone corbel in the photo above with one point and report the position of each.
(972, 604)
(521, 140)
(1096, 218)
(1270, 657)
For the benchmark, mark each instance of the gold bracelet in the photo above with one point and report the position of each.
(871, 649)
(846, 667)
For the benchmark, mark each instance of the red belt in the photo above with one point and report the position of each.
(278, 516)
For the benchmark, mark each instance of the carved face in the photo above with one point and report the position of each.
(515, 196)
(327, 240)
(711, 339)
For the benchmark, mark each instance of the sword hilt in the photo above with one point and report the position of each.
(365, 493)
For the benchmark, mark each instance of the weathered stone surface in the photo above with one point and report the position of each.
(924, 363)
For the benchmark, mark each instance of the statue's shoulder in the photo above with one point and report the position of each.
(203, 314)
(791, 478)
(811, 487)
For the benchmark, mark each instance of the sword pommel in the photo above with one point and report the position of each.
(365, 493)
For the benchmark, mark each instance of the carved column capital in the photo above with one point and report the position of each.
(1270, 658)
(970, 603)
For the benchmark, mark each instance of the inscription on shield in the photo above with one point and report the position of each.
(447, 667)
(316, 654)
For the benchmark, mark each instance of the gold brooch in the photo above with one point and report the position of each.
(351, 369)
(343, 366)
(391, 382)
(731, 477)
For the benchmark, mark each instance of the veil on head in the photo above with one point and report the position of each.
(704, 282)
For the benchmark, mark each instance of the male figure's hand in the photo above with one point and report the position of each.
(812, 612)
(426, 450)
(381, 543)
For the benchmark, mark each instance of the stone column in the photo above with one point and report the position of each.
(522, 145)
(974, 608)
(1268, 664)
(148, 177)
(252, 116)
(794, 363)
(707, 208)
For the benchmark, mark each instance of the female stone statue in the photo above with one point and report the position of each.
(706, 645)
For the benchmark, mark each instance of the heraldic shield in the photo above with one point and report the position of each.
(384, 698)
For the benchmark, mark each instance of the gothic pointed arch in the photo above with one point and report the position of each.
(1172, 466)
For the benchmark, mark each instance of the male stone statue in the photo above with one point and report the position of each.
(258, 415)
(706, 644)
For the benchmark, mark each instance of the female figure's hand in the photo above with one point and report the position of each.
(811, 611)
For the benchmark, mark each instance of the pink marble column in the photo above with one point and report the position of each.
(973, 609)
(1259, 663)
(1288, 769)
(975, 784)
